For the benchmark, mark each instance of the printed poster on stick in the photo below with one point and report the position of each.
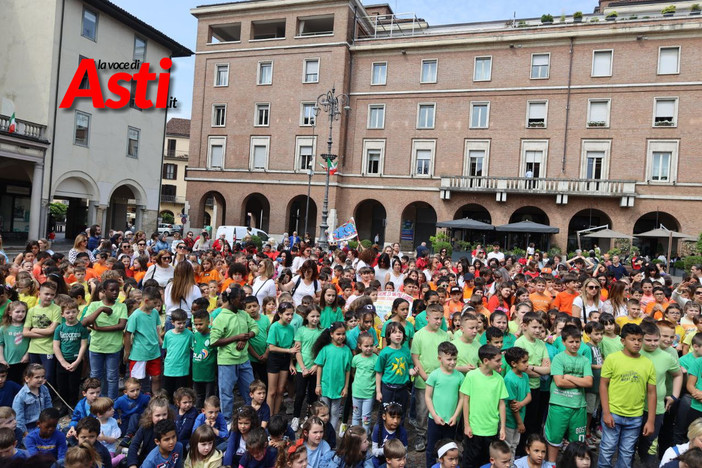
(383, 305)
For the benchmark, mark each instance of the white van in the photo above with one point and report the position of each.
(237, 233)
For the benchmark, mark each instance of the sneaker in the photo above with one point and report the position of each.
(420, 446)
(295, 424)
(126, 441)
(598, 432)
(342, 429)
(413, 422)
(591, 442)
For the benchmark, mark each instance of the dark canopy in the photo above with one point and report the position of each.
(466, 223)
(527, 226)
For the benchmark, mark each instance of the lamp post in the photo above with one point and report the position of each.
(331, 104)
(310, 173)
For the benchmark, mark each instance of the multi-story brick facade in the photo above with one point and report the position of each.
(571, 124)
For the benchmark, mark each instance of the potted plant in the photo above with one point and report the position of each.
(668, 11)
(596, 123)
(695, 9)
(546, 19)
(578, 17)
(611, 16)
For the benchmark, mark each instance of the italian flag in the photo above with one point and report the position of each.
(331, 167)
(13, 124)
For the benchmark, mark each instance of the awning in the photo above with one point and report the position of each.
(528, 226)
(466, 223)
(608, 234)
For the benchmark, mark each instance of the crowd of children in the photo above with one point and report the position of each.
(493, 365)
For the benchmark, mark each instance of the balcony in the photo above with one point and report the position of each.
(178, 199)
(24, 128)
(626, 189)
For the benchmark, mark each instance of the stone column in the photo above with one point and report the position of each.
(139, 218)
(35, 202)
(92, 212)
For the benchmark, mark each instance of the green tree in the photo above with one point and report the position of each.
(58, 211)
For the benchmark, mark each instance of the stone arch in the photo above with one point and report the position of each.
(255, 211)
(418, 223)
(370, 217)
(585, 219)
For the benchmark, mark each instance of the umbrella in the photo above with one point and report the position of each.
(663, 232)
(466, 223)
(528, 226)
(608, 234)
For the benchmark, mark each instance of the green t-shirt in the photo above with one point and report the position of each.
(577, 366)
(685, 361)
(517, 389)
(3, 307)
(144, 330)
(467, 352)
(204, 358)
(583, 350)
(394, 364)
(70, 338)
(610, 345)
(334, 362)
(297, 321)
(409, 331)
(363, 385)
(508, 340)
(485, 392)
(107, 342)
(14, 343)
(330, 316)
(177, 347)
(258, 342)
(420, 321)
(42, 317)
(664, 364)
(629, 378)
(696, 370)
(445, 395)
(425, 345)
(306, 337)
(537, 352)
(281, 335)
(228, 324)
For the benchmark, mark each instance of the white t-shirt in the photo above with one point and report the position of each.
(263, 289)
(498, 255)
(297, 263)
(585, 311)
(160, 274)
(670, 454)
(186, 303)
(303, 289)
(380, 275)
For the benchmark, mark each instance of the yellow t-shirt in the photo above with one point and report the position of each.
(624, 319)
(629, 378)
(31, 301)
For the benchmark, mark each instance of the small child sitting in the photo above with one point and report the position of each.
(9, 421)
(353, 450)
(390, 428)
(129, 407)
(258, 453)
(87, 431)
(45, 438)
(395, 454)
(186, 413)
(32, 398)
(321, 410)
(203, 453)
(212, 417)
(103, 409)
(91, 391)
(257, 392)
(168, 452)
(280, 434)
(8, 446)
(500, 455)
(447, 453)
(244, 420)
(8, 388)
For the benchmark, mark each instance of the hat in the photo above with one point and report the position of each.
(368, 308)
(546, 271)
(456, 290)
(522, 261)
(468, 277)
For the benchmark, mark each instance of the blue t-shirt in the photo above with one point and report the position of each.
(125, 406)
(264, 413)
(156, 460)
(268, 460)
(55, 445)
(8, 392)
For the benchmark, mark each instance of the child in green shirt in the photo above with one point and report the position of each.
(204, 358)
(517, 384)
(70, 346)
(467, 345)
(39, 327)
(177, 343)
(142, 337)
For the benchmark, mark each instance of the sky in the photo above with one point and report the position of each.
(173, 18)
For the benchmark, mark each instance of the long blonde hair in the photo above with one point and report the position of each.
(80, 238)
(183, 281)
(583, 292)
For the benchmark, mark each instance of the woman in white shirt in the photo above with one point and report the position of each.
(304, 284)
(588, 301)
(181, 292)
(616, 304)
(264, 284)
(382, 269)
(395, 275)
(161, 271)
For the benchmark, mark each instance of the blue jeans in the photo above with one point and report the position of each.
(334, 410)
(105, 367)
(623, 436)
(228, 377)
(362, 409)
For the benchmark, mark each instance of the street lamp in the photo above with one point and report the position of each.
(332, 104)
(310, 173)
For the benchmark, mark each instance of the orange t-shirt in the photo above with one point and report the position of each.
(99, 270)
(658, 315)
(207, 276)
(564, 302)
(452, 307)
(228, 281)
(542, 302)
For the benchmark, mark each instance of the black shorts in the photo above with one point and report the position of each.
(277, 362)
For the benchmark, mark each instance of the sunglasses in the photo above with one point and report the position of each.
(180, 247)
(142, 243)
(593, 287)
(168, 259)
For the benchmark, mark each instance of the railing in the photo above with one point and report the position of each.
(391, 25)
(24, 128)
(548, 186)
(172, 198)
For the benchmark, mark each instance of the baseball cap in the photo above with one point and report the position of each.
(455, 290)
(468, 277)
(368, 308)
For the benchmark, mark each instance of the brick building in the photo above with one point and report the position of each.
(574, 124)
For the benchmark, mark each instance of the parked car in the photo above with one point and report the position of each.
(167, 229)
(238, 233)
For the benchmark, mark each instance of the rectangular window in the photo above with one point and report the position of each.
(216, 151)
(222, 75)
(425, 116)
(265, 73)
(307, 114)
(311, 71)
(376, 116)
(660, 166)
(594, 165)
(170, 171)
(540, 66)
(171, 147)
(304, 153)
(373, 151)
(90, 23)
(133, 142)
(662, 161)
(602, 63)
(483, 69)
(268, 29)
(82, 129)
(423, 157)
(373, 161)
(219, 115)
(598, 113)
(259, 153)
(536, 114)
(475, 163)
(665, 112)
(139, 49)
(224, 33)
(429, 71)
(595, 162)
(379, 73)
(262, 115)
(315, 26)
(668, 60)
(479, 114)
(533, 162)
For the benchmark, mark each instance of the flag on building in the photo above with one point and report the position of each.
(13, 124)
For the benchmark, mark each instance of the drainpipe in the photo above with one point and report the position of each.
(565, 132)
